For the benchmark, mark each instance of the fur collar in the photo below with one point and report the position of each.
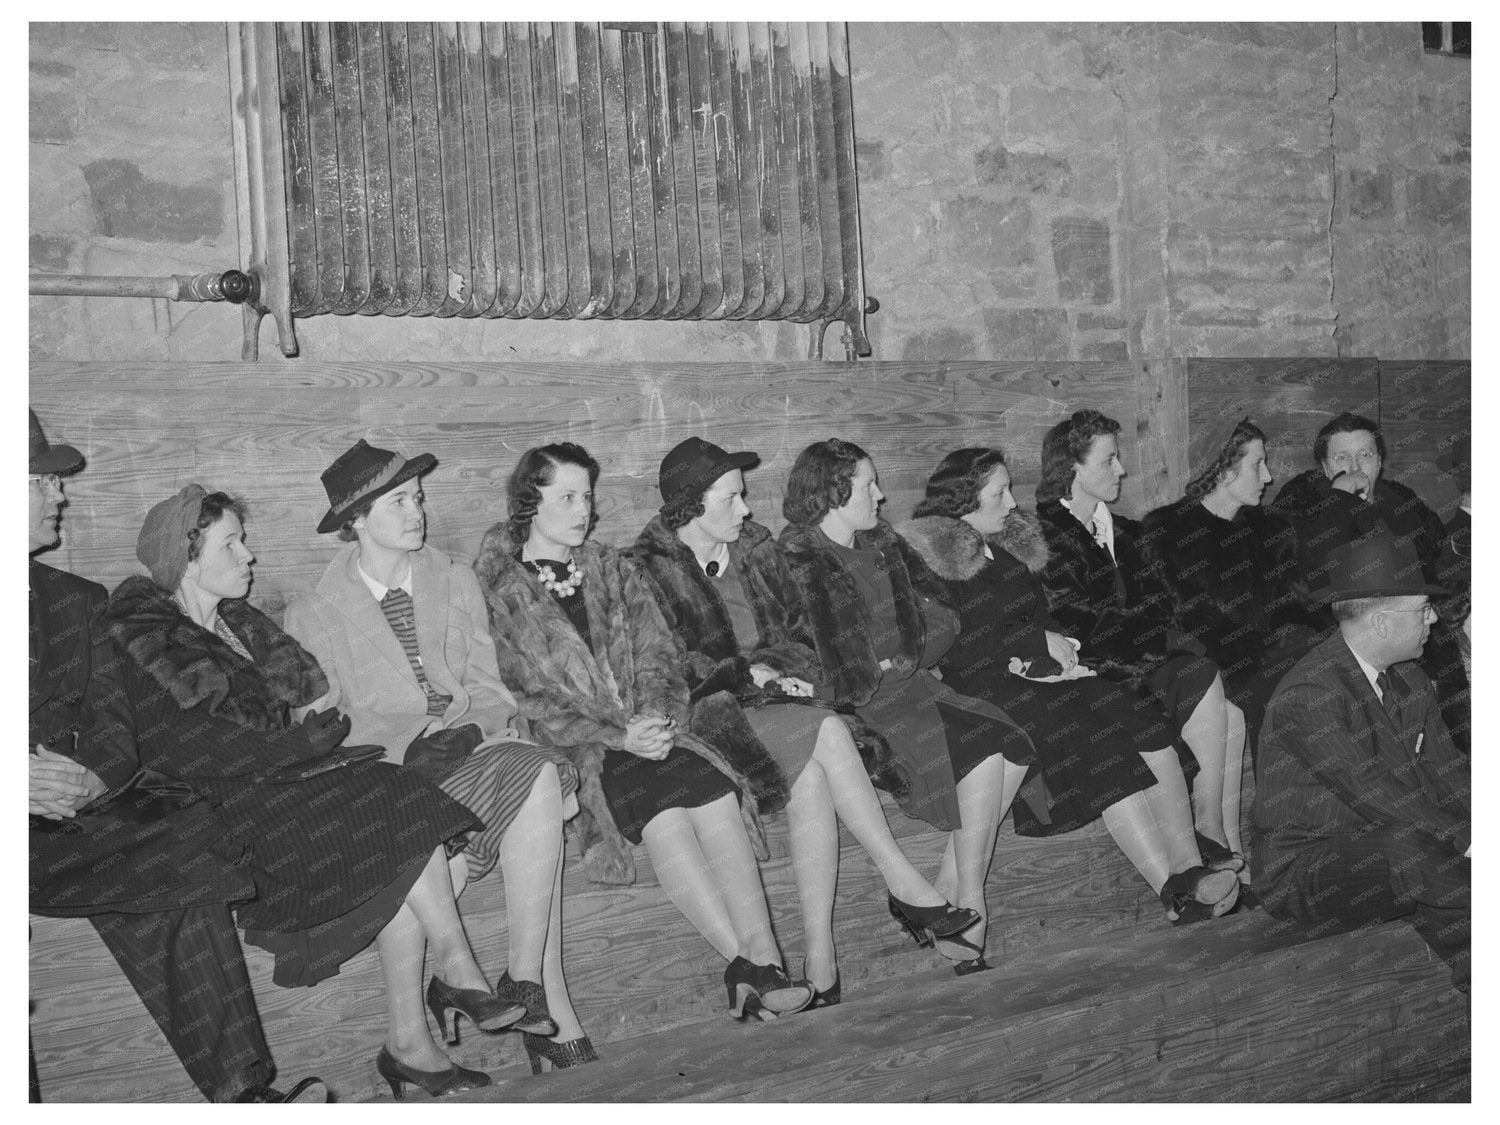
(806, 538)
(955, 551)
(656, 538)
(196, 667)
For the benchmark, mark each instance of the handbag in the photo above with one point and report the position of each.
(147, 797)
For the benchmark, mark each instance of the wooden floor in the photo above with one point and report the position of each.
(1093, 997)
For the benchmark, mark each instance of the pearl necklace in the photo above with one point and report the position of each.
(562, 588)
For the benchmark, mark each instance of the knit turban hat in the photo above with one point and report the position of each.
(163, 542)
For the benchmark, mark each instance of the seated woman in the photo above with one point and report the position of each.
(1102, 750)
(339, 856)
(1104, 593)
(402, 634)
(1232, 571)
(578, 633)
(725, 590)
(876, 643)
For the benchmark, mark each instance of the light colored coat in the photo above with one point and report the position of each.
(369, 677)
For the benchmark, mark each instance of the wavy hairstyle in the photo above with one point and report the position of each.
(215, 504)
(1346, 423)
(822, 479)
(954, 487)
(1067, 446)
(682, 511)
(1226, 462)
(537, 467)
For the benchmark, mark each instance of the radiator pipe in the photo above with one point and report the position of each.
(233, 286)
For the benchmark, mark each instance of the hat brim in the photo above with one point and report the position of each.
(1345, 594)
(57, 459)
(728, 462)
(414, 468)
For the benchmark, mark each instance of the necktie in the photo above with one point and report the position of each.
(1388, 697)
(400, 614)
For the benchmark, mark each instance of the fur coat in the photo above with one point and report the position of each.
(717, 675)
(202, 713)
(580, 701)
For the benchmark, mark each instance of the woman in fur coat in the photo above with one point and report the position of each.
(402, 634)
(1102, 750)
(338, 855)
(578, 634)
(876, 641)
(1105, 593)
(727, 593)
(1232, 569)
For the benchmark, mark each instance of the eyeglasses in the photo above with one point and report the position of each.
(48, 480)
(1424, 608)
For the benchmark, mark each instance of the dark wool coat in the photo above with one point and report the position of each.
(1119, 609)
(717, 675)
(108, 866)
(580, 701)
(1235, 587)
(1323, 518)
(201, 713)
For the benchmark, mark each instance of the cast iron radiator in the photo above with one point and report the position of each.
(632, 171)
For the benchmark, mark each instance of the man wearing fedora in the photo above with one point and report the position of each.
(147, 883)
(1362, 801)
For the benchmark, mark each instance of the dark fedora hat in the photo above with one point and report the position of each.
(47, 458)
(692, 467)
(1377, 566)
(365, 473)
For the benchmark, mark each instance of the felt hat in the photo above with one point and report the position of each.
(693, 465)
(47, 458)
(362, 473)
(1376, 566)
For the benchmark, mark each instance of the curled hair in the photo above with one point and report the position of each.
(1067, 446)
(1346, 423)
(822, 479)
(954, 487)
(215, 504)
(1227, 460)
(347, 534)
(537, 467)
(682, 511)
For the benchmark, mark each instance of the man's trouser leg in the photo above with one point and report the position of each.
(188, 968)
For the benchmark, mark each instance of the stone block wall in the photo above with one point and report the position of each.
(1028, 191)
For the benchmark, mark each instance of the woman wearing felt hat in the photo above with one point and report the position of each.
(727, 592)
(401, 632)
(578, 633)
(343, 849)
(1232, 568)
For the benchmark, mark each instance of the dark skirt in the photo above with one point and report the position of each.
(1178, 684)
(495, 782)
(789, 732)
(1089, 735)
(638, 789)
(938, 738)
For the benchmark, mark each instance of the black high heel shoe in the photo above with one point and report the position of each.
(560, 1056)
(1217, 856)
(924, 923)
(1198, 894)
(484, 1010)
(974, 964)
(436, 1082)
(533, 997)
(763, 991)
(829, 996)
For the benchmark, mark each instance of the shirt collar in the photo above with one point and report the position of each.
(1370, 672)
(720, 555)
(1101, 518)
(380, 591)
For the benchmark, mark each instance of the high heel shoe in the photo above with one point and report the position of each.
(975, 964)
(574, 1052)
(829, 996)
(436, 1082)
(1198, 894)
(924, 923)
(484, 1010)
(763, 991)
(1217, 856)
(533, 997)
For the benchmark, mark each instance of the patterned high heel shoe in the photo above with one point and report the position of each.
(436, 1082)
(558, 1056)
(533, 997)
(763, 991)
(483, 1009)
(974, 964)
(923, 923)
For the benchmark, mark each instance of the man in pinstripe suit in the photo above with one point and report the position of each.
(1362, 802)
(167, 924)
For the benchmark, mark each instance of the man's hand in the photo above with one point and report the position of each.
(1063, 650)
(1352, 481)
(60, 786)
